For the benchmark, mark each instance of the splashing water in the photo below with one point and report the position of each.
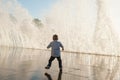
(86, 26)
(82, 26)
(16, 27)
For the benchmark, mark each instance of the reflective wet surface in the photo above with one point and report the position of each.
(28, 64)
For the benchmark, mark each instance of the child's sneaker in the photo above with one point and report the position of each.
(47, 67)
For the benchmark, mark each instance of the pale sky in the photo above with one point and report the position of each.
(37, 8)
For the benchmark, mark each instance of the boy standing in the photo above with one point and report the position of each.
(55, 52)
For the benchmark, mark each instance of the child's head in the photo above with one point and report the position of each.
(55, 37)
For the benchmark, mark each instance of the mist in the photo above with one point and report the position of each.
(82, 26)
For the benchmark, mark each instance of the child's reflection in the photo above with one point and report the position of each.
(50, 78)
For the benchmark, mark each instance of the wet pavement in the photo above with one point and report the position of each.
(28, 64)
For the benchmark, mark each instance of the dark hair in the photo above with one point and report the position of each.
(55, 37)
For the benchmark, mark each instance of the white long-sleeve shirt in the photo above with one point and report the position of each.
(55, 45)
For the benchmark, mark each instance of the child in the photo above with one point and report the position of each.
(55, 52)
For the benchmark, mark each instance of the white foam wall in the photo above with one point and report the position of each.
(82, 26)
(86, 25)
(16, 27)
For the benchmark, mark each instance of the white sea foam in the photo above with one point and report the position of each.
(82, 26)
(87, 25)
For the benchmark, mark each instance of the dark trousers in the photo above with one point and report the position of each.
(59, 61)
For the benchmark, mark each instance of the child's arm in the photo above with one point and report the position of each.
(49, 46)
(62, 46)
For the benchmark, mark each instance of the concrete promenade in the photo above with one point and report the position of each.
(28, 64)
